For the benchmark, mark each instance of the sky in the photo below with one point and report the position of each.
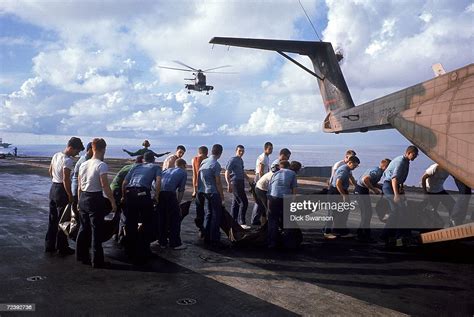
(91, 68)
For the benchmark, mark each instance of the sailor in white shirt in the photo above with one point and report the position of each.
(262, 166)
(60, 195)
(432, 182)
(93, 185)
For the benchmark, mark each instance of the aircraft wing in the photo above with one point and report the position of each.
(299, 47)
(442, 127)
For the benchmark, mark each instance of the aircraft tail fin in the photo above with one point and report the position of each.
(333, 87)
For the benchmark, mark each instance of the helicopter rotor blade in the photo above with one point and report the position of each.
(183, 64)
(206, 70)
(221, 72)
(183, 70)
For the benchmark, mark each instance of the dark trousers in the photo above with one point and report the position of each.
(339, 223)
(275, 220)
(92, 212)
(260, 208)
(366, 210)
(75, 202)
(240, 202)
(56, 239)
(118, 201)
(169, 219)
(199, 220)
(138, 208)
(394, 228)
(212, 218)
(460, 208)
(443, 198)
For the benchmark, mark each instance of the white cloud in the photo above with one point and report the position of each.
(470, 8)
(269, 121)
(101, 74)
(426, 17)
(392, 44)
(163, 119)
(78, 71)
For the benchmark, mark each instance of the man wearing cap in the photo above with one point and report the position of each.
(60, 195)
(136, 194)
(169, 218)
(145, 149)
(75, 174)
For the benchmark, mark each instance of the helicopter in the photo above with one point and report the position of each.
(199, 77)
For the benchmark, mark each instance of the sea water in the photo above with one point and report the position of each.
(308, 155)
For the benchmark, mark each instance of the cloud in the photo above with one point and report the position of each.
(163, 119)
(99, 73)
(268, 121)
(31, 108)
(78, 71)
(393, 44)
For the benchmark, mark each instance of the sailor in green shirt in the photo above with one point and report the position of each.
(116, 187)
(116, 184)
(145, 149)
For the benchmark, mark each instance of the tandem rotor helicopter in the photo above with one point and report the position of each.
(199, 77)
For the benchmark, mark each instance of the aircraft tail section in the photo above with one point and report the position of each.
(333, 87)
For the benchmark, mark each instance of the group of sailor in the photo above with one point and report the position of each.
(148, 217)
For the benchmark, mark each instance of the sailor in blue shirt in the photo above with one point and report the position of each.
(339, 187)
(209, 183)
(283, 182)
(284, 156)
(169, 218)
(394, 177)
(235, 177)
(139, 205)
(368, 182)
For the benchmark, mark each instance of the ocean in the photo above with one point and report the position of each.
(308, 155)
